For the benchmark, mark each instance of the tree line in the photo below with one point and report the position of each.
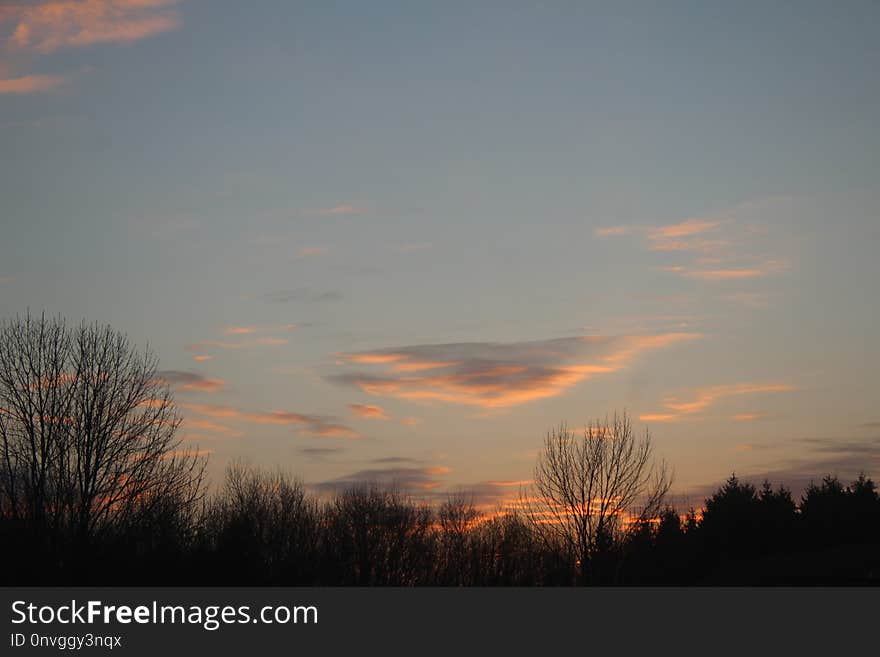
(97, 488)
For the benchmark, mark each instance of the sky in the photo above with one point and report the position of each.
(400, 241)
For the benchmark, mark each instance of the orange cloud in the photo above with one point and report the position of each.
(677, 409)
(30, 84)
(509, 483)
(369, 411)
(317, 425)
(370, 359)
(212, 410)
(738, 273)
(202, 358)
(493, 375)
(311, 251)
(211, 427)
(45, 27)
(266, 340)
(685, 228)
(270, 341)
(657, 417)
(724, 274)
(239, 330)
(609, 231)
(672, 237)
(717, 242)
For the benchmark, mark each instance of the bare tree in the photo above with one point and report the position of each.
(454, 527)
(88, 432)
(264, 526)
(378, 537)
(589, 491)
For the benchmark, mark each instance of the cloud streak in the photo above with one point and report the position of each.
(494, 375)
(406, 480)
(191, 381)
(718, 248)
(303, 294)
(369, 411)
(340, 210)
(46, 27)
(250, 336)
(682, 236)
(315, 425)
(30, 84)
(676, 409)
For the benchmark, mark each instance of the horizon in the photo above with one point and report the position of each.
(399, 244)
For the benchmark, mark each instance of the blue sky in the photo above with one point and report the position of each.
(402, 240)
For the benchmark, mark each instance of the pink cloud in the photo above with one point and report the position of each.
(316, 425)
(46, 27)
(30, 84)
(495, 375)
(369, 411)
(676, 409)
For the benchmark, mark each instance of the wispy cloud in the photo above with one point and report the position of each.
(310, 252)
(45, 27)
(316, 425)
(758, 270)
(319, 452)
(722, 247)
(369, 411)
(491, 496)
(210, 427)
(682, 236)
(303, 294)
(613, 231)
(251, 336)
(30, 84)
(240, 330)
(406, 480)
(748, 417)
(677, 409)
(494, 375)
(191, 381)
(341, 209)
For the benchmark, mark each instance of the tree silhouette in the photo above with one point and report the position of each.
(591, 491)
(88, 438)
(263, 527)
(456, 518)
(96, 489)
(834, 514)
(377, 537)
